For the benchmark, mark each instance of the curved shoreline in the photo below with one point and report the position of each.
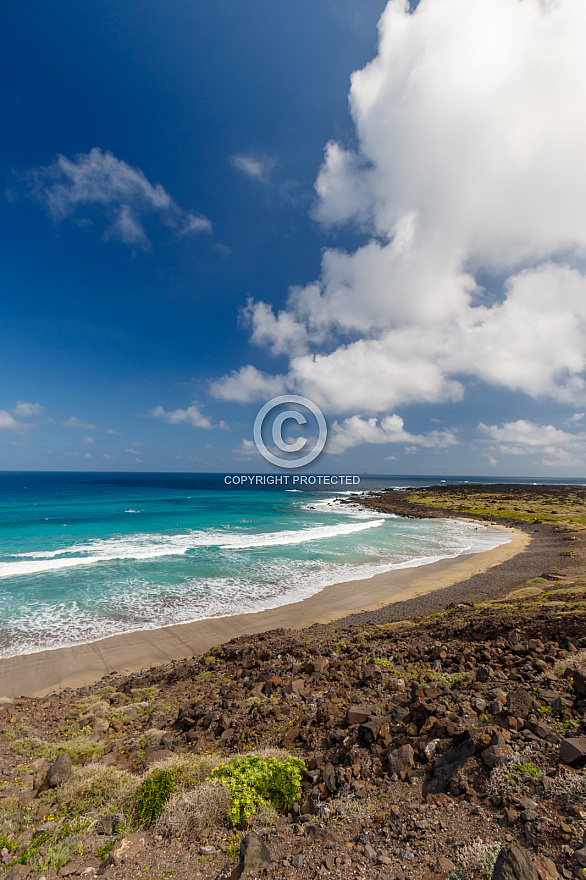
(47, 671)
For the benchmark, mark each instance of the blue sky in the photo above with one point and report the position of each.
(201, 210)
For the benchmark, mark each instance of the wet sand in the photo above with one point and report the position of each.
(49, 671)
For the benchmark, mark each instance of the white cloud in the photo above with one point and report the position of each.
(355, 431)
(98, 183)
(524, 437)
(247, 448)
(132, 451)
(74, 422)
(470, 123)
(26, 410)
(107, 456)
(257, 167)
(196, 223)
(190, 416)
(87, 440)
(9, 423)
(88, 455)
(246, 385)
(112, 431)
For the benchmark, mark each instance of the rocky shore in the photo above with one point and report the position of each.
(436, 741)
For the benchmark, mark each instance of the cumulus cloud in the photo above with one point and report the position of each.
(98, 185)
(27, 410)
(524, 437)
(258, 167)
(190, 416)
(74, 422)
(247, 448)
(246, 385)
(9, 423)
(354, 431)
(468, 184)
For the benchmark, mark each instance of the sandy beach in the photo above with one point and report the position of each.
(49, 671)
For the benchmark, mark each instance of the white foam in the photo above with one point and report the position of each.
(142, 546)
(135, 605)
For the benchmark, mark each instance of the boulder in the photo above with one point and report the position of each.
(573, 751)
(495, 755)
(59, 771)
(579, 681)
(519, 703)
(254, 855)
(513, 863)
(109, 824)
(358, 714)
(401, 759)
(546, 869)
(446, 767)
(580, 857)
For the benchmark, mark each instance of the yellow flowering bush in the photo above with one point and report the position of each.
(255, 781)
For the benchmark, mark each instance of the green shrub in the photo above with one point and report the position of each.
(152, 795)
(527, 769)
(103, 851)
(259, 781)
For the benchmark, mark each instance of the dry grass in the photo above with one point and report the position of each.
(569, 784)
(476, 859)
(187, 770)
(189, 812)
(96, 788)
(512, 778)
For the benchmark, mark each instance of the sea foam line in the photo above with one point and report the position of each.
(151, 547)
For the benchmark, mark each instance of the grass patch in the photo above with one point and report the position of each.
(96, 788)
(77, 747)
(186, 771)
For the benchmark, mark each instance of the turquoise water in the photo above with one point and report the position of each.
(83, 556)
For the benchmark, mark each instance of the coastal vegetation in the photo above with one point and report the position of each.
(512, 503)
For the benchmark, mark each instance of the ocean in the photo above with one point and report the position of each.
(84, 556)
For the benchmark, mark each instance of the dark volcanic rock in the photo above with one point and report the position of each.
(579, 680)
(513, 863)
(446, 767)
(59, 771)
(497, 754)
(358, 714)
(254, 855)
(573, 751)
(401, 759)
(109, 824)
(519, 703)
